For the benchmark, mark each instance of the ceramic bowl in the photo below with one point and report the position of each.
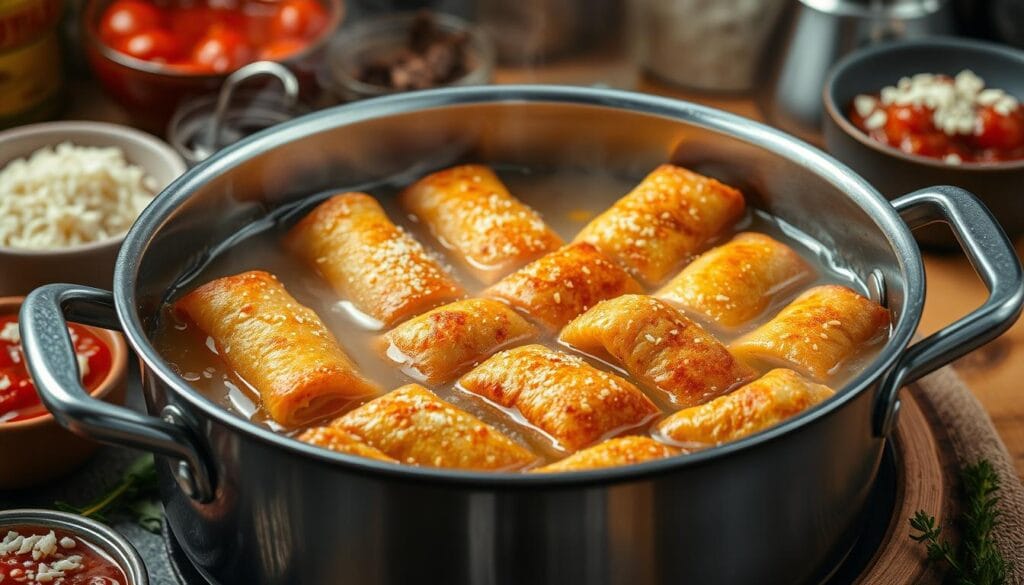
(92, 264)
(151, 92)
(999, 185)
(37, 450)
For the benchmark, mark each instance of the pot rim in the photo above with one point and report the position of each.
(158, 212)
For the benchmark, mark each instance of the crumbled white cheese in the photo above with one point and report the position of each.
(83, 365)
(954, 103)
(46, 546)
(47, 567)
(10, 332)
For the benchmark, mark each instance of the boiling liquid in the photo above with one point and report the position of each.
(567, 200)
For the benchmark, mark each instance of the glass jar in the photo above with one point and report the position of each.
(32, 80)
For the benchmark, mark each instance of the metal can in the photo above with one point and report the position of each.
(31, 76)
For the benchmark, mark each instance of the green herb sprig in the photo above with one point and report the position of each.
(976, 561)
(135, 496)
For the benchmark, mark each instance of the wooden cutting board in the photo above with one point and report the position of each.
(924, 475)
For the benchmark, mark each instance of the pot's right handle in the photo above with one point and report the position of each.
(993, 258)
(50, 357)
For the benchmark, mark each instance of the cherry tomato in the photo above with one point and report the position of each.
(153, 45)
(299, 18)
(904, 121)
(222, 49)
(282, 49)
(125, 18)
(999, 131)
(934, 144)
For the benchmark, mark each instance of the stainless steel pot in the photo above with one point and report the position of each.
(250, 506)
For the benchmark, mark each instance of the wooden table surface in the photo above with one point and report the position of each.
(995, 373)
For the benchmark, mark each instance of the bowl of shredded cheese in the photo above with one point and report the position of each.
(69, 191)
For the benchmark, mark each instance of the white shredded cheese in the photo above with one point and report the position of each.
(70, 195)
(10, 333)
(44, 566)
(954, 102)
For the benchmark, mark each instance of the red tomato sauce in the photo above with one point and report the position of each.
(211, 36)
(911, 129)
(18, 397)
(80, 562)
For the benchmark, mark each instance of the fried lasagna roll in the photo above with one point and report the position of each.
(663, 221)
(573, 402)
(761, 404)
(412, 425)
(370, 261)
(342, 441)
(440, 344)
(823, 327)
(278, 346)
(612, 453)
(659, 346)
(735, 283)
(468, 209)
(563, 284)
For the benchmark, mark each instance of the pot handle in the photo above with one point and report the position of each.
(991, 255)
(50, 357)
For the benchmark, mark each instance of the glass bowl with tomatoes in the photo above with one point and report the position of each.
(934, 111)
(33, 447)
(150, 55)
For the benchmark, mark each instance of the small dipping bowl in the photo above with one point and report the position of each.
(115, 546)
(92, 264)
(374, 38)
(37, 449)
(1000, 185)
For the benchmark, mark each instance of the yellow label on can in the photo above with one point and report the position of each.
(29, 75)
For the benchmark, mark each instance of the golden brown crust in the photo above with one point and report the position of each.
(663, 221)
(564, 283)
(736, 282)
(659, 346)
(564, 396)
(822, 328)
(370, 261)
(471, 210)
(342, 441)
(278, 346)
(442, 343)
(414, 426)
(612, 453)
(759, 405)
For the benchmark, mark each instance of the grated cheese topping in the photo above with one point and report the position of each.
(69, 195)
(954, 102)
(48, 564)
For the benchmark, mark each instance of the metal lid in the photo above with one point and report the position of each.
(99, 535)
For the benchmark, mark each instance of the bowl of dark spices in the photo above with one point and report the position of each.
(406, 52)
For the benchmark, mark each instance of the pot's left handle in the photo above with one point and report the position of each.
(50, 356)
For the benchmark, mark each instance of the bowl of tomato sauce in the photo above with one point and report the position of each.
(33, 447)
(940, 110)
(45, 546)
(150, 55)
